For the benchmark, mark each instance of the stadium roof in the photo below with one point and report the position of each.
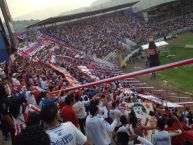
(58, 19)
(147, 4)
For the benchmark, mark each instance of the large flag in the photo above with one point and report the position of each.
(142, 113)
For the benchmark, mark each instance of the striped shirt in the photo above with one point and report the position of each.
(21, 120)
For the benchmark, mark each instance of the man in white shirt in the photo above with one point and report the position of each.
(113, 111)
(164, 137)
(64, 133)
(97, 128)
(80, 105)
(43, 83)
(103, 108)
(29, 96)
(15, 81)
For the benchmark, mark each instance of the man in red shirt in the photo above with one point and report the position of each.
(67, 112)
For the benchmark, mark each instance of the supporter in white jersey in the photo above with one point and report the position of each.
(80, 105)
(43, 83)
(103, 108)
(29, 96)
(61, 134)
(97, 128)
(15, 81)
(112, 113)
(164, 137)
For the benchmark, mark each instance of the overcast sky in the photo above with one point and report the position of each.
(23, 7)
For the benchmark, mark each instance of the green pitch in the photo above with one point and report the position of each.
(181, 77)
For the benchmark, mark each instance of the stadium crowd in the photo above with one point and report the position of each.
(98, 36)
(71, 60)
(174, 25)
(180, 8)
(33, 115)
(101, 35)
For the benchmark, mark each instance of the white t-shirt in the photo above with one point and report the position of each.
(44, 85)
(112, 116)
(30, 98)
(97, 130)
(81, 105)
(103, 111)
(164, 137)
(15, 81)
(66, 134)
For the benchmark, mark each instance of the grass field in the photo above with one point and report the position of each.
(181, 77)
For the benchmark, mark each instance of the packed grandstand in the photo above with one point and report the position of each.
(60, 88)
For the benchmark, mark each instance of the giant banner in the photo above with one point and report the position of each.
(142, 113)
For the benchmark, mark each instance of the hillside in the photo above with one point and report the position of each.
(44, 13)
(99, 4)
(20, 25)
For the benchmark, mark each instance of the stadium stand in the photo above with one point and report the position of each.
(55, 73)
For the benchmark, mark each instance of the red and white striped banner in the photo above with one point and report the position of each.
(133, 74)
